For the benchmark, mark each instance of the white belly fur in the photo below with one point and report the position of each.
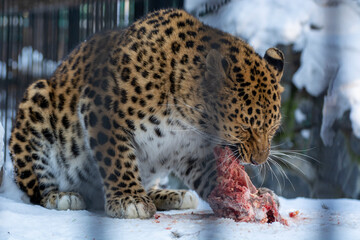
(158, 156)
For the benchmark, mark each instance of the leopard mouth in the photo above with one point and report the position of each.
(253, 161)
(237, 152)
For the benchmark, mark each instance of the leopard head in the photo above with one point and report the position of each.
(246, 89)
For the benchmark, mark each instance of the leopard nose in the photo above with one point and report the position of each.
(253, 161)
(259, 158)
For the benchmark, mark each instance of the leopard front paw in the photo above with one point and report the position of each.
(63, 201)
(173, 199)
(190, 200)
(130, 207)
(264, 190)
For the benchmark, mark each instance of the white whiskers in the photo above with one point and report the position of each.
(279, 161)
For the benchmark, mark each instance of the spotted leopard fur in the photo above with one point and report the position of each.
(127, 107)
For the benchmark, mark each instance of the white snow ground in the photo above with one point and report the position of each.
(318, 219)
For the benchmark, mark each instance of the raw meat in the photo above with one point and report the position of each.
(236, 197)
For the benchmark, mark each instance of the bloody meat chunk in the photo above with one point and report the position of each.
(236, 197)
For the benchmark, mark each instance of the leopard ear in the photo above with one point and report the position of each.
(216, 68)
(275, 58)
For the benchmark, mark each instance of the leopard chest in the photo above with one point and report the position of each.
(167, 147)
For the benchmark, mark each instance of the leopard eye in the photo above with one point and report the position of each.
(245, 135)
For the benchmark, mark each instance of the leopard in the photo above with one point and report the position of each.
(127, 107)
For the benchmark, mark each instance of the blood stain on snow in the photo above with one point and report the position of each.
(294, 213)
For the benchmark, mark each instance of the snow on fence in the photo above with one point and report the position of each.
(2, 133)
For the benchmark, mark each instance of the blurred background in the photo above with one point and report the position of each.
(316, 153)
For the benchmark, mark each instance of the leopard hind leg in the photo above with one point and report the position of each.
(34, 147)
